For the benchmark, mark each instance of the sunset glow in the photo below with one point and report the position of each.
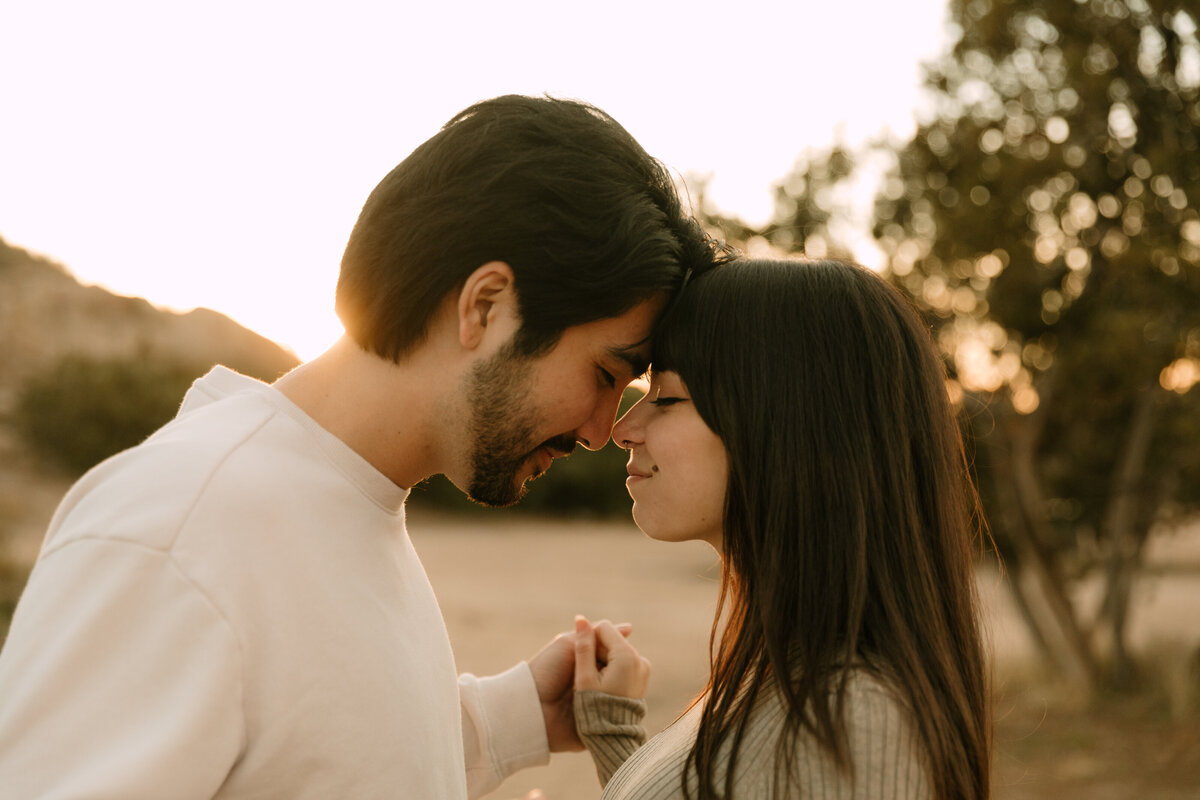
(218, 154)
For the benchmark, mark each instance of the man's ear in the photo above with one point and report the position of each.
(487, 300)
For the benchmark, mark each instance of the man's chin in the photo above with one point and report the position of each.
(494, 500)
(502, 494)
(495, 495)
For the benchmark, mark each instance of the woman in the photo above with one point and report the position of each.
(798, 421)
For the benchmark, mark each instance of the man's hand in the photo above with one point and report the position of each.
(605, 662)
(554, 671)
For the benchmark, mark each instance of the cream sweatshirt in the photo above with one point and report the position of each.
(234, 609)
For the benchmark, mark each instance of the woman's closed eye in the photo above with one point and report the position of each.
(660, 402)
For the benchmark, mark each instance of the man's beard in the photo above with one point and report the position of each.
(503, 417)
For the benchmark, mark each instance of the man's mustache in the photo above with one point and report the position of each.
(564, 444)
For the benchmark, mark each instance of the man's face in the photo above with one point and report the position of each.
(525, 412)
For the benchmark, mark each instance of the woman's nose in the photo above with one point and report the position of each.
(628, 430)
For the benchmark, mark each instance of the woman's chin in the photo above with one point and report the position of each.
(674, 533)
(647, 524)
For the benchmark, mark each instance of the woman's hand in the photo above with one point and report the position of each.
(553, 670)
(606, 662)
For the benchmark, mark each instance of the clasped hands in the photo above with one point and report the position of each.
(592, 657)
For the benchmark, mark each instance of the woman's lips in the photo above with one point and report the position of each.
(635, 475)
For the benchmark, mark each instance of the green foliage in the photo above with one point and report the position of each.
(12, 582)
(812, 208)
(80, 410)
(1046, 218)
(809, 203)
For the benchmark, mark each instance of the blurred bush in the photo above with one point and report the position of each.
(588, 483)
(12, 581)
(81, 410)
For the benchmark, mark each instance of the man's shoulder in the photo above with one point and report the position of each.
(145, 494)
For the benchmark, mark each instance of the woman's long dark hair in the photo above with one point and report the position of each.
(850, 519)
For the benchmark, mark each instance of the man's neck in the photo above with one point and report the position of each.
(386, 412)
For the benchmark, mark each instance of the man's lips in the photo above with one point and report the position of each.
(545, 453)
(560, 446)
(544, 456)
(552, 452)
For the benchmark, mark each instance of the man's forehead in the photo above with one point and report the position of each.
(626, 337)
(636, 356)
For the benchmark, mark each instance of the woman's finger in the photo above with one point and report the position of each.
(609, 638)
(626, 673)
(587, 676)
(624, 628)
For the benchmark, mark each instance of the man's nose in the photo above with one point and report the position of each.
(595, 432)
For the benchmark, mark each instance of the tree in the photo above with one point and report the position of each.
(1045, 217)
(812, 208)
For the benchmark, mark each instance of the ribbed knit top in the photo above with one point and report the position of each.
(886, 761)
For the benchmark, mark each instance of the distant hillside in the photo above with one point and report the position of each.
(45, 313)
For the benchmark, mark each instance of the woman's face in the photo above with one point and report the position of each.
(677, 467)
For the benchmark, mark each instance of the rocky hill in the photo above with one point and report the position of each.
(45, 313)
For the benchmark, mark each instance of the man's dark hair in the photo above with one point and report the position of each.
(590, 224)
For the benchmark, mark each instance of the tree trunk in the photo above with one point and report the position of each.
(1073, 655)
(1018, 582)
(1125, 543)
(1006, 518)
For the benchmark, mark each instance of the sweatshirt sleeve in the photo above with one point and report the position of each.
(119, 679)
(611, 727)
(503, 728)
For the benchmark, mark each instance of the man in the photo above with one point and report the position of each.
(233, 608)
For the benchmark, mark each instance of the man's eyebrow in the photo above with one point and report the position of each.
(637, 363)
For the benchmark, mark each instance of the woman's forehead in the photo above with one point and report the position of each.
(661, 375)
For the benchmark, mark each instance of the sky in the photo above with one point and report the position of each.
(217, 154)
